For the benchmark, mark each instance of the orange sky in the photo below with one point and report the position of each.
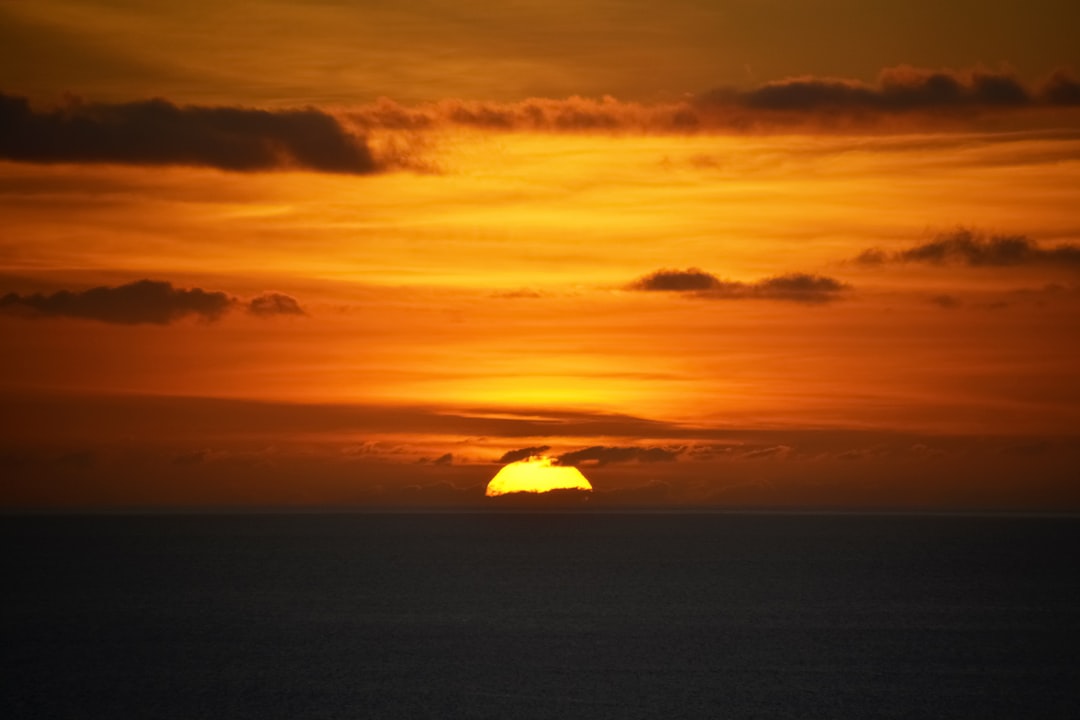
(700, 256)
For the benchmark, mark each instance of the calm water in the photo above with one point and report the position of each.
(539, 616)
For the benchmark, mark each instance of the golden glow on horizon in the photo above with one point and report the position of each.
(536, 475)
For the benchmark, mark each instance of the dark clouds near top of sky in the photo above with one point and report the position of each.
(906, 88)
(157, 132)
(154, 302)
(793, 287)
(903, 91)
(968, 247)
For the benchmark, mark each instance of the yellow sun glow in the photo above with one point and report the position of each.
(536, 475)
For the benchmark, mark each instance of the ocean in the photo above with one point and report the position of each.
(539, 615)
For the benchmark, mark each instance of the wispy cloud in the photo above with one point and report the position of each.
(793, 287)
(157, 132)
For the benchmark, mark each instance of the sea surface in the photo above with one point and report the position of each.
(539, 615)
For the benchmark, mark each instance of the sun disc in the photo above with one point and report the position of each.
(537, 474)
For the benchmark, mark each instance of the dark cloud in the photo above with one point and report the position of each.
(523, 453)
(569, 115)
(601, 455)
(797, 287)
(273, 303)
(677, 281)
(898, 89)
(901, 91)
(794, 287)
(873, 256)
(145, 301)
(967, 247)
(1061, 89)
(156, 132)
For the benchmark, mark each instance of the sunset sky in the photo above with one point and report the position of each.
(740, 253)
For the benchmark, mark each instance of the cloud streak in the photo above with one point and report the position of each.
(973, 249)
(601, 455)
(157, 132)
(145, 301)
(911, 93)
(793, 287)
(905, 88)
(153, 302)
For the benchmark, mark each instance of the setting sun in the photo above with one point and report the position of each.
(536, 475)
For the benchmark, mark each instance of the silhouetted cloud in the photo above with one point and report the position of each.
(1061, 89)
(145, 301)
(797, 287)
(601, 455)
(273, 303)
(562, 115)
(967, 247)
(902, 88)
(523, 453)
(690, 280)
(898, 91)
(794, 287)
(156, 132)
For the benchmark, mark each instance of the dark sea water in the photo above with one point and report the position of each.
(546, 615)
